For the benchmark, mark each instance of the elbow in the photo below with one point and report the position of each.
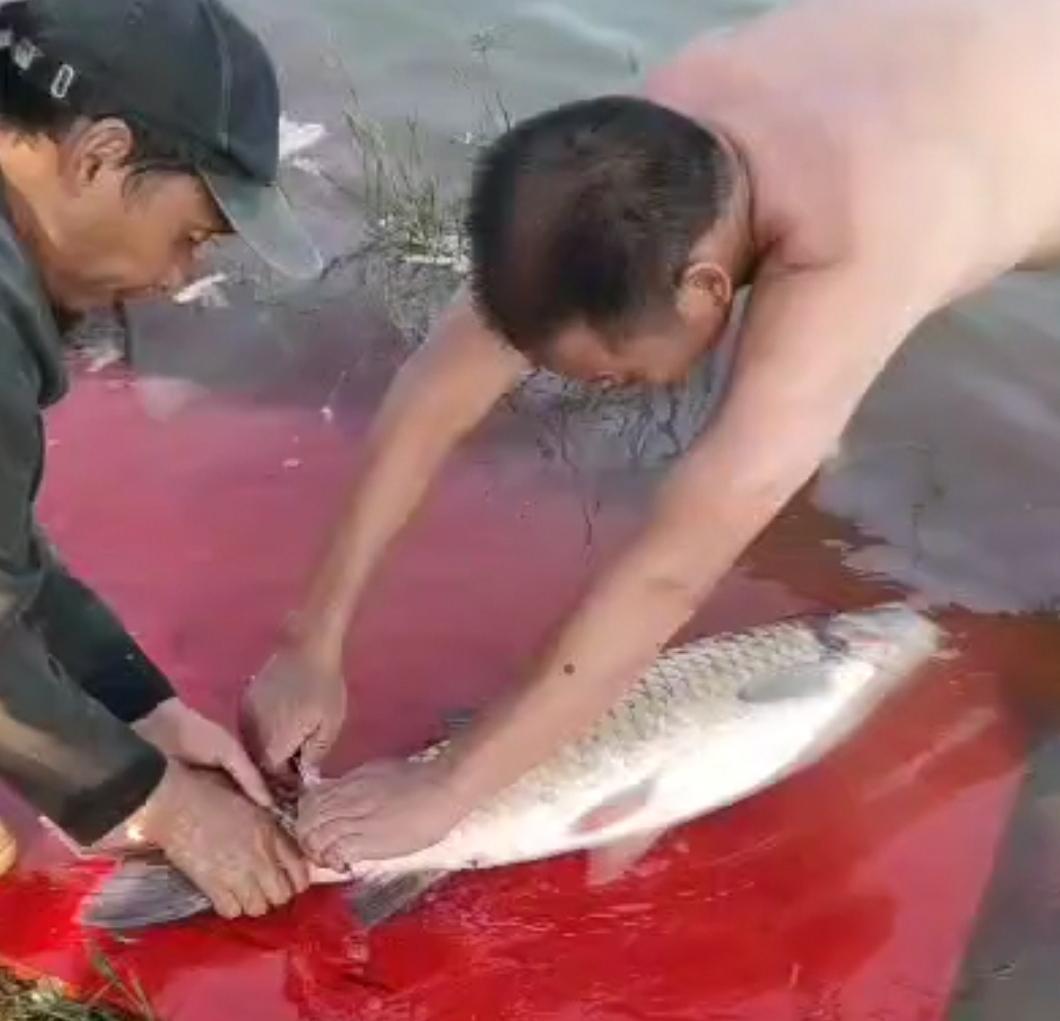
(765, 483)
(672, 579)
(727, 516)
(758, 500)
(677, 593)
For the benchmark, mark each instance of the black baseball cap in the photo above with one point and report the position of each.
(187, 68)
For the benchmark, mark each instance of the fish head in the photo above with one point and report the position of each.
(892, 638)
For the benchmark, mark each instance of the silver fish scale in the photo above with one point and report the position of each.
(684, 689)
(694, 683)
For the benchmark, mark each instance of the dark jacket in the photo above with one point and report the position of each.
(71, 677)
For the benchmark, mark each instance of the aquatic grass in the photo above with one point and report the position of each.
(118, 998)
(414, 253)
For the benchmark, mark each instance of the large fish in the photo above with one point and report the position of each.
(708, 725)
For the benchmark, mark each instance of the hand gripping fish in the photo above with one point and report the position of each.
(709, 724)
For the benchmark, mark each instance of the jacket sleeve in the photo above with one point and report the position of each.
(92, 646)
(60, 749)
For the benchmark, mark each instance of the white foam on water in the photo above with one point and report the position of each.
(296, 138)
(104, 357)
(308, 165)
(205, 291)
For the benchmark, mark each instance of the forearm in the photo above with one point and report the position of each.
(94, 649)
(390, 486)
(441, 393)
(61, 750)
(617, 631)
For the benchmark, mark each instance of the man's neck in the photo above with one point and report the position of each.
(22, 169)
(740, 231)
(21, 160)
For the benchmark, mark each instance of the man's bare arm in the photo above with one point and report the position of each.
(813, 343)
(440, 394)
(298, 701)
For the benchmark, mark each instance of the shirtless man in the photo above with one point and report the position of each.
(857, 163)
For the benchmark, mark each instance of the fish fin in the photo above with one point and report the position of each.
(376, 901)
(615, 808)
(140, 894)
(802, 682)
(607, 863)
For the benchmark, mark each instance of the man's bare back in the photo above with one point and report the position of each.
(918, 127)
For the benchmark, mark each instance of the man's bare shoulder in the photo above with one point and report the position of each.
(698, 69)
(952, 129)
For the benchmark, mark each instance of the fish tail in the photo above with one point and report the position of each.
(141, 894)
(377, 900)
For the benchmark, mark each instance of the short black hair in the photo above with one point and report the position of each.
(27, 109)
(587, 214)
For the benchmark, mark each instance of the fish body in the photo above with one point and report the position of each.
(708, 725)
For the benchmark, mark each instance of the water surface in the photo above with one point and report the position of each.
(910, 877)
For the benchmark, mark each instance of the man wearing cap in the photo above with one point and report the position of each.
(132, 132)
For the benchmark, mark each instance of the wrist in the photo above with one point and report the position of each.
(459, 784)
(162, 711)
(145, 827)
(149, 825)
(319, 644)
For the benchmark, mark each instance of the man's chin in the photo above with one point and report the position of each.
(81, 304)
(66, 319)
(69, 310)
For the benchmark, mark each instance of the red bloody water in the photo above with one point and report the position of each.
(847, 892)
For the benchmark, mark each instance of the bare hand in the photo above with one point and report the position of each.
(228, 847)
(294, 706)
(183, 734)
(382, 810)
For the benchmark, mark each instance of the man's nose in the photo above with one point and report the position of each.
(179, 274)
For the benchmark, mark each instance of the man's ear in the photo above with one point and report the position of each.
(705, 290)
(99, 147)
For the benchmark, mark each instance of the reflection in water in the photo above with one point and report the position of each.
(954, 461)
(1013, 961)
